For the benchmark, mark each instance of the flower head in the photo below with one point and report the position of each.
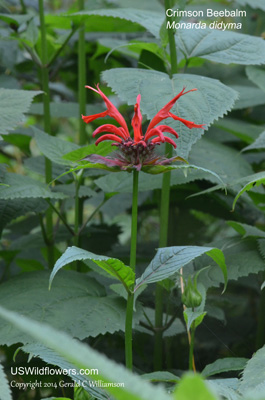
(138, 151)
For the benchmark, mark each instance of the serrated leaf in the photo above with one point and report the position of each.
(148, 19)
(82, 356)
(21, 187)
(225, 47)
(14, 104)
(258, 144)
(211, 101)
(256, 180)
(116, 268)
(52, 147)
(5, 392)
(224, 365)
(169, 260)
(254, 373)
(226, 388)
(72, 303)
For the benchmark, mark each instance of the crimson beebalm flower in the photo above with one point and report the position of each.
(138, 151)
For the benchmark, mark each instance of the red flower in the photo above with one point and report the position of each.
(137, 151)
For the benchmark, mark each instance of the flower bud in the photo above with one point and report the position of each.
(191, 297)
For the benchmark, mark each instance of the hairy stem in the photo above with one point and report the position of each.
(47, 128)
(129, 309)
(165, 197)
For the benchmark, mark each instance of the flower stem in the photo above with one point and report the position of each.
(47, 128)
(164, 206)
(129, 309)
(191, 356)
(81, 76)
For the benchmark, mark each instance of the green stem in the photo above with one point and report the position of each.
(92, 215)
(192, 336)
(57, 53)
(165, 197)
(129, 309)
(68, 227)
(81, 77)
(77, 209)
(47, 128)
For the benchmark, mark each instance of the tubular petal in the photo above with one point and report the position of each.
(167, 139)
(108, 137)
(111, 109)
(164, 112)
(112, 129)
(91, 118)
(189, 124)
(137, 121)
(158, 131)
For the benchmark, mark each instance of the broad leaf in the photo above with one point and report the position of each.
(252, 3)
(193, 385)
(52, 358)
(256, 180)
(148, 19)
(211, 101)
(52, 147)
(246, 230)
(249, 96)
(241, 129)
(21, 187)
(225, 47)
(73, 302)
(5, 392)
(65, 109)
(82, 356)
(102, 149)
(257, 76)
(17, 19)
(254, 374)
(14, 104)
(169, 260)
(258, 144)
(113, 266)
(224, 365)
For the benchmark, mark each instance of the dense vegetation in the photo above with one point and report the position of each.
(156, 266)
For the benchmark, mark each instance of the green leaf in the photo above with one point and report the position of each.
(225, 47)
(12, 209)
(169, 260)
(193, 385)
(256, 180)
(211, 101)
(246, 230)
(65, 109)
(249, 96)
(254, 374)
(224, 365)
(252, 3)
(102, 149)
(14, 104)
(113, 266)
(257, 76)
(16, 19)
(82, 356)
(191, 316)
(161, 376)
(241, 129)
(52, 147)
(22, 187)
(73, 302)
(5, 392)
(148, 19)
(52, 358)
(258, 144)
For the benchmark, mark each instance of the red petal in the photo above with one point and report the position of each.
(108, 137)
(91, 118)
(164, 112)
(167, 139)
(189, 124)
(111, 109)
(111, 128)
(137, 121)
(158, 131)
